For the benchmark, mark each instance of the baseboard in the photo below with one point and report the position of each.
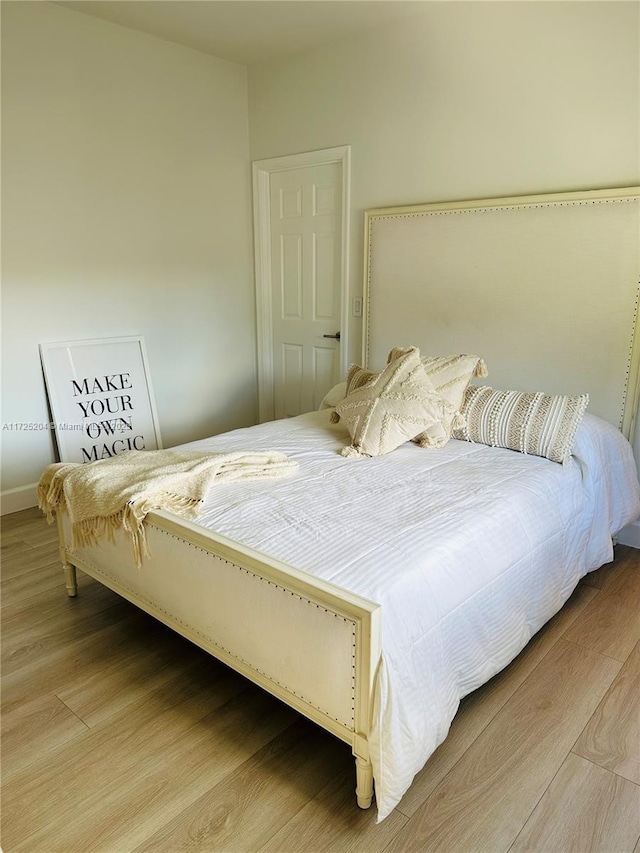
(630, 535)
(13, 500)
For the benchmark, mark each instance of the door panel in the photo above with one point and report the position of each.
(292, 379)
(326, 298)
(325, 365)
(306, 259)
(291, 276)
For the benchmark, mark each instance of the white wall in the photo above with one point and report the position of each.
(126, 210)
(126, 197)
(469, 100)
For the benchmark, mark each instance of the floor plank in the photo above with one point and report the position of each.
(44, 623)
(35, 532)
(485, 800)
(259, 798)
(329, 823)
(82, 657)
(480, 707)
(611, 623)
(585, 808)
(12, 520)
(29, 558)
(152, 659)
(162, 770)
(622, 576)
(29, 583)
(611, 739)
(11, 546)
(35, 729)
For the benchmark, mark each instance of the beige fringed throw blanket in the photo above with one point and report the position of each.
(101, 497)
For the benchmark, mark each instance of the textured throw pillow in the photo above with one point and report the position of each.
(435, 435)
(450, 375)
(391, 408)
(536, 423)
(356, 378)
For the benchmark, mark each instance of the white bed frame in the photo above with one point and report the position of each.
(309, 643)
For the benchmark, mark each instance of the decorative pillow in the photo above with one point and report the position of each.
(435, 435)
(358, 376)
(391, 408)
(333, 396)
(536, 423)
(450, 375)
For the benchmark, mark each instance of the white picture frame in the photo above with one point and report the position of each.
(100, 397)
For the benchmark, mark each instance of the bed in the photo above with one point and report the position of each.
(373, 594)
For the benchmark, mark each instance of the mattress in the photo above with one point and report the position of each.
(469, 550)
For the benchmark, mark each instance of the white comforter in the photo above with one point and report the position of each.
(468, 549)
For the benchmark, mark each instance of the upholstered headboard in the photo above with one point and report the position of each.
(544, 288)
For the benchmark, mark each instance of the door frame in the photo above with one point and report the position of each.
(262, 171)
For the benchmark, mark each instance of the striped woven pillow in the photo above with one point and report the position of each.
(535, 423)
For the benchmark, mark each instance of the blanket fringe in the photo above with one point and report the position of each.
(50, 494)
(91, 531)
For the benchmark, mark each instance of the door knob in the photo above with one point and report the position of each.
(335, 337)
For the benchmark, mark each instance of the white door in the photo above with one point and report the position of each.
(306, 283)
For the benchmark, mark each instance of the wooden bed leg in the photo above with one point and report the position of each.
(69, 569)
(364, 782)
(70, 579)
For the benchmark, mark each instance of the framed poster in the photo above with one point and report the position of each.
(100, 397)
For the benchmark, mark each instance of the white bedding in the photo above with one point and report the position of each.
(468, 549)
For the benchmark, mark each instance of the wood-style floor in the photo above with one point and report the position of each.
(120, 736)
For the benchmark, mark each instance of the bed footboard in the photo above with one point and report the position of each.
(306, 641)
